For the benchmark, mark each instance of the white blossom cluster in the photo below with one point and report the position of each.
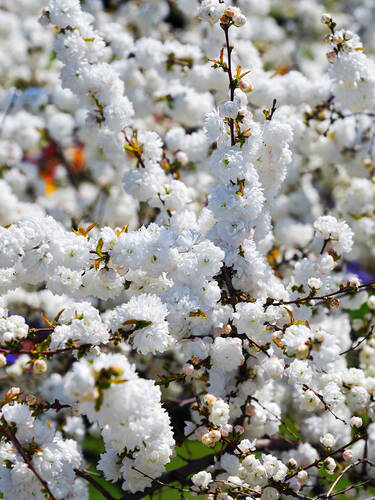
(188, 203)
(53, 457)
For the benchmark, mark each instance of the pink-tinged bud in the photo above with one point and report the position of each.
(230, 11)
(226, 330)
(250, 410)
(246, 86)
(354, 282)
(302, 476)
(239, 20)
(215, 435)
(239, 429)
(226, 430)
(331, 56)
(356, 422)
(182, 158)
(187, 369)
(347, 455)
(40, 366)
(335, 303)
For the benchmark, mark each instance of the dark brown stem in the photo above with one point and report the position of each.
(85, 475)
(232, 84)
(9, 434)
(353, 348)
(326, 405)
(339, 450)
(342, 292)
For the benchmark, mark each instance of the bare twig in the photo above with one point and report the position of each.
(353, 348)
(326, 405)
(344, 471)
(86, 475)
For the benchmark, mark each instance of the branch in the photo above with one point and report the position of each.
(343, 291)
(350, 466)
(85, 475)
(232, 84)
(353, 348)
(339, 450)
(181, 475)
(9, 434)
(326, 405)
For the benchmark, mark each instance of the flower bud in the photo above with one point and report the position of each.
(331, 56)
(239, 20)
(226, 429)
(347, 455)
(182, 158)
(187, 369)
(245, 85)
(302, 476)
(43, 19)
(239, 429)
(336, 39)
(30, 399)
(40, 366)
(215, 435)
(327, 440)
(330, 464)
(230, 11)
(348, 35)
(250, 410)
(226, 330)
(326, 18)
(371, 302)
(335, 303)
(209, 399)
(292, 463)
(356, 422)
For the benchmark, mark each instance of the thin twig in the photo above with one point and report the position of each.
(341, 292)
(86, 475)
(344, 471)
(9, 434)
(232, 84)
(353, 348)
(339, 450)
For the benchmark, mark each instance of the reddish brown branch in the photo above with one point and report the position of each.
(9, 434)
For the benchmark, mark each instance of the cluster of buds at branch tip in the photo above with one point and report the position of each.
(233, 16)
(341, 41)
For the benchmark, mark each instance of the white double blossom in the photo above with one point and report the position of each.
(221, 195)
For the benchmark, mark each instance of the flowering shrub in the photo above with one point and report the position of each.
(186, 248)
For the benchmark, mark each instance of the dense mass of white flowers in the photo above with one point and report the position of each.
(188, 202)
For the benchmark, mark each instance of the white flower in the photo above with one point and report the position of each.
(226, 354)
(202, 479)
(219, 413)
